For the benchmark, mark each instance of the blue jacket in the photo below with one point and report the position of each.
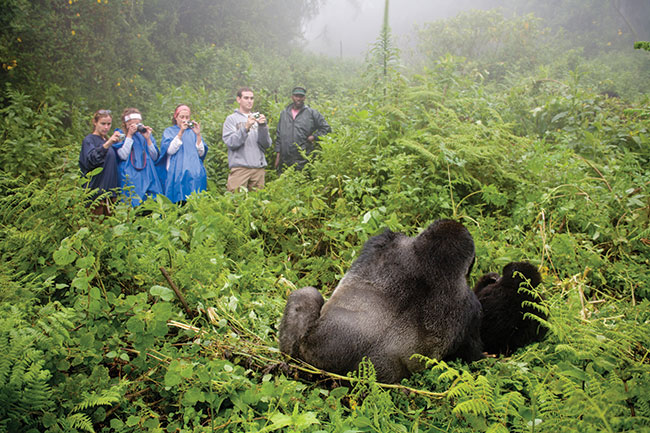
(183, 172)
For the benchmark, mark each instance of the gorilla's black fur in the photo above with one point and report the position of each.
(504, 328)
(401, 296)
(408, 295)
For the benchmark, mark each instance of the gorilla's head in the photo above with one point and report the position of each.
(446, 246)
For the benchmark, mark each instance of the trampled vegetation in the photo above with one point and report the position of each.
(527, 146)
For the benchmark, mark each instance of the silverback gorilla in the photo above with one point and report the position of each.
(401, 296)
(505, 328)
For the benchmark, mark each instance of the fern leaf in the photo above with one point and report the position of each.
(5, 361)
(476, 406)
(106, 397)
(497, 428)
(80, 421)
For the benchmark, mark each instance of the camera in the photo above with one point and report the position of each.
(141, 128)
(121, 137)
(256, 115)
(190, 124)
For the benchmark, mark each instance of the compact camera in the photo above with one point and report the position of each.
(141, 128)
(121, 137)
(191, 124)
(256, 115)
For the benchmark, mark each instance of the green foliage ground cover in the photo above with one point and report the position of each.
(539, 166)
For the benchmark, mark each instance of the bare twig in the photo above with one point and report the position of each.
(179, 295)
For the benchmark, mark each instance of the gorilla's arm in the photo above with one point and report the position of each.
(300, 314)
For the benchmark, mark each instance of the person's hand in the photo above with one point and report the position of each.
(147, 134)
(131, 130)
(311, 138)
(197, 128)
(261, 119)
(249, 122)
(112, 139)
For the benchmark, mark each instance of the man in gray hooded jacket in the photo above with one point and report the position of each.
(298, 131)
(247, 137)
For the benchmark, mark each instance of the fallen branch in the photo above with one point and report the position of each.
(179, 295)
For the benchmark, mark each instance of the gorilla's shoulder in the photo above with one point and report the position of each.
(380, 242)
(381, 245)
(437, 236)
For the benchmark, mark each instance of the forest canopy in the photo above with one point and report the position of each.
(97, 48)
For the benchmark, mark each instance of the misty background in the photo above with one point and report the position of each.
(110, 53)
(346, 28)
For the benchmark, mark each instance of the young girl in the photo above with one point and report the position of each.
(137, 154)
(97, 151)
(182, 153)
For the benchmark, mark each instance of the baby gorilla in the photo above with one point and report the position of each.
(504, 328)
(401, 296)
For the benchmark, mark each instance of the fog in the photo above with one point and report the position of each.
(347, 27)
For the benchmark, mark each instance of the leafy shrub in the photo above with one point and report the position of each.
(31, 133)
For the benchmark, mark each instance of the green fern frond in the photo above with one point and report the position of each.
(450, 374)
(106, 397)
(418, 148)
(538, 306)
(55, 321)
(424, 96)
(643, 408)
(497, 428)
(485, 389)
(464, 387)
(591, 407)
(476, 406)
(566, 349)
(508, 404)
(80, 421)
(535, 318)
(5, 361)
(366, 371)
(548, 403)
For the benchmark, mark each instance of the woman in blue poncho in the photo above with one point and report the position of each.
(137, 154)
(182, 152)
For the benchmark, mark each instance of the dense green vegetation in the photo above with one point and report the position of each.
(521, 139)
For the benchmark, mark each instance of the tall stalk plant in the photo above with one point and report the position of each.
(383, 59)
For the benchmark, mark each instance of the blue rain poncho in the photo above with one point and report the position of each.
(138, 175)
(183, 172)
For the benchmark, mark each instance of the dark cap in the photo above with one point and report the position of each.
(299, 91)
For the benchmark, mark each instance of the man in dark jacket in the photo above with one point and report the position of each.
(298, 131)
